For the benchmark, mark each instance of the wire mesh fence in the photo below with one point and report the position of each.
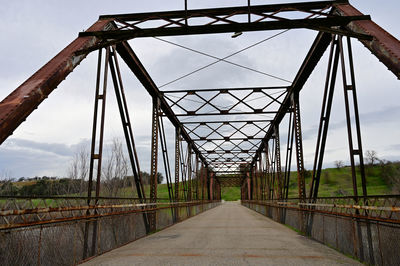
(67, 234)
(372, 237)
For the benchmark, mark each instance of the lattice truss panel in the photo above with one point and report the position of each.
(230, 181)
(199, 17)
(310, 15)
(226, 125)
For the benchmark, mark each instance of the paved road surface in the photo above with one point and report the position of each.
(229, 234)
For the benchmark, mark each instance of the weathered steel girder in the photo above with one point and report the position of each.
(314, 16)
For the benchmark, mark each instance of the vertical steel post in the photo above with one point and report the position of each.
(262, 178)
(324, 118)
(189, 170)
(186, 11)
(154, 161)
(278, 162)
(177, 163)
(248, 186)
(211, 196)
(249, 13)
(164, 149)
(289, 150)
(93, 155)
(255, 185)
(197, 177)
(299, 146)
(203, 182)
(268, 172)
(273, 170)
(351, 89)
(251, 177)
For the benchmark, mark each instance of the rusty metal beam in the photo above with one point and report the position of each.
(224, 28)
(384, 45)
(19, 104)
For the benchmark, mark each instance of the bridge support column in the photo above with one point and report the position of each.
(177, 155)
(350, 95)
(96, 156)
(299, 147)
(189, 173)
(277, 162)
(211, 196)
(248, 186)
(268, 173)
(325, 117)
(154, 162)
(197, 173)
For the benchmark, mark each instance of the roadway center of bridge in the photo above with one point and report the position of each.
(229, 234)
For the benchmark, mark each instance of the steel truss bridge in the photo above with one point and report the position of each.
(215, 145)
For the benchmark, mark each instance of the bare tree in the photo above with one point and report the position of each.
(372, 157)
(78, 170)
(339, 164)
(7, 184)
(115, 169)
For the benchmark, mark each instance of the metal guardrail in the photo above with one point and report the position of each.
(384, 208)
(16, 212)
(367, 228)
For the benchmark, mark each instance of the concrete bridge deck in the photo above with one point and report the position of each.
(229, 234)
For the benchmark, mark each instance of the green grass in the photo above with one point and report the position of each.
(334, 182)
(338, 182)
(230, 193)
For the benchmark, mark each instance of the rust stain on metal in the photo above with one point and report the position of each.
(21, 102)
(384, 45)
(43, 221)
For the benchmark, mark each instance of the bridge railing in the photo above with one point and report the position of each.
(68, 230)
(367, 228)
(381, 207)
(28, 211)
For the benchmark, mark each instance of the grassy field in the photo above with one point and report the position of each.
(230, 193)
(338, 182)
(334, 182)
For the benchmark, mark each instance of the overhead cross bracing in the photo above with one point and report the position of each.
(227, 124)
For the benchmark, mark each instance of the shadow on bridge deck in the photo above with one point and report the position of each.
(229, 234)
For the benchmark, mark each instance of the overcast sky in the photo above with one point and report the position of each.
(35, 31)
